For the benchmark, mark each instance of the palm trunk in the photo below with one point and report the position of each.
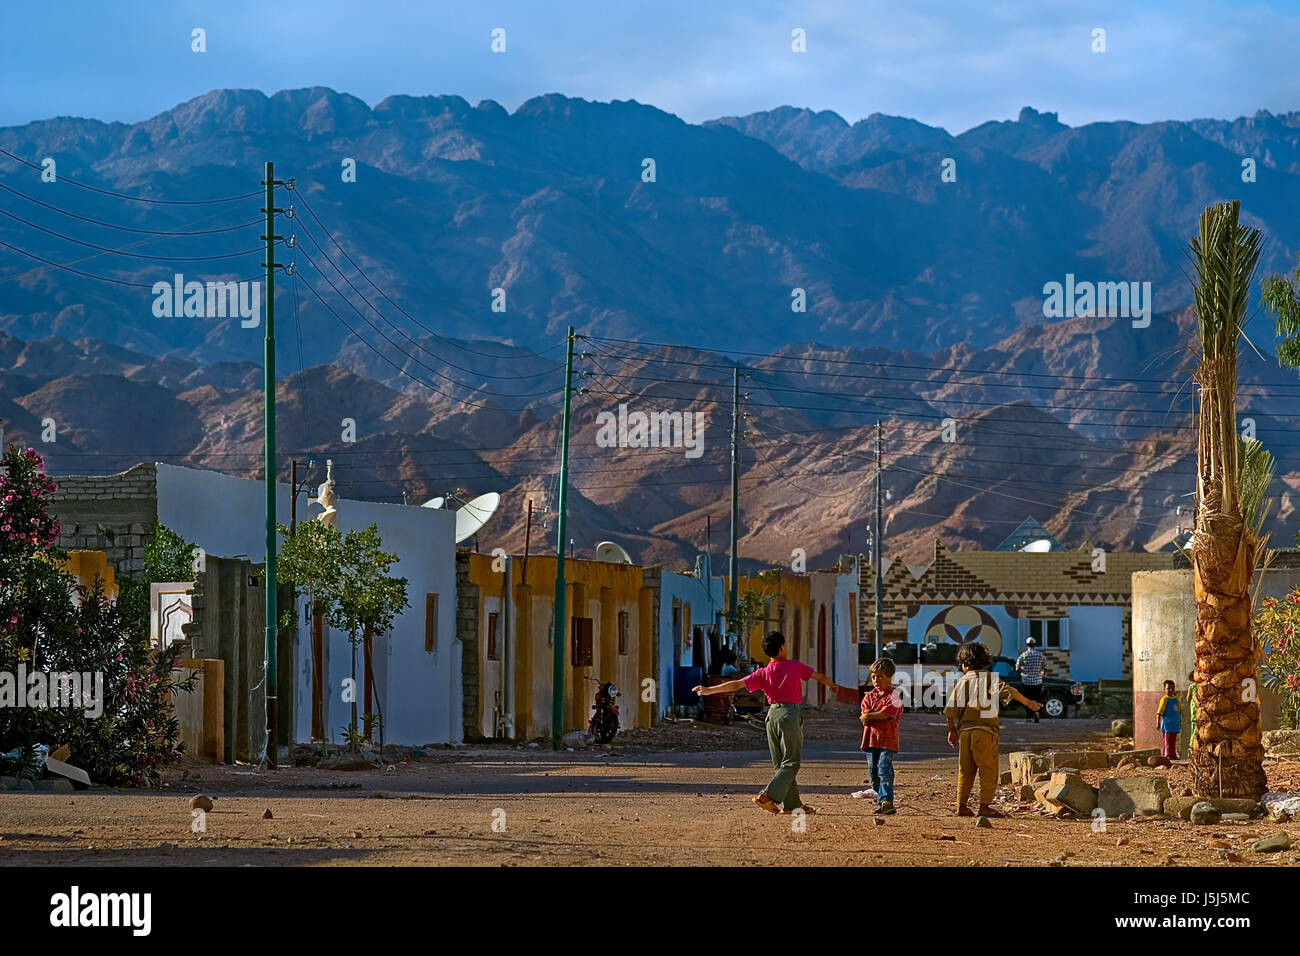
(1226, 753)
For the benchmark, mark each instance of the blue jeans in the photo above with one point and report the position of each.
(882, 773)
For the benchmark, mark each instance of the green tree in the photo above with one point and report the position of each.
(349, 576)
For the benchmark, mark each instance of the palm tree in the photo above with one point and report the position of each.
(1227, 753)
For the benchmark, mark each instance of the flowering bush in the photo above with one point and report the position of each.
(1278, 629)
(50, 624)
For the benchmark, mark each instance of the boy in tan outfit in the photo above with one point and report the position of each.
(973, 728)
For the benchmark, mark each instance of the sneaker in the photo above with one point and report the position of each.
(885, 808)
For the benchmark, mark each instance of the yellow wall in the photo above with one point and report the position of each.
(85, 566)
(792, 610)
(603, 590)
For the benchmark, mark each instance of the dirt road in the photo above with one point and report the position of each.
(625, 804)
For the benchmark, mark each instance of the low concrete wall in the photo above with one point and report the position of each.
(200, 712)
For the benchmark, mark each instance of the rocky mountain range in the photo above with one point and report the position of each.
(924, 301)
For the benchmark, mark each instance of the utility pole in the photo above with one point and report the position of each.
(293, 497)
(558, 625)
(877, 545)
(733, 584)
(268, 408)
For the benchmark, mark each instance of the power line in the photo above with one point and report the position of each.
(117, 195)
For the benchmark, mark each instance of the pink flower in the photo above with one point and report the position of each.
(1292, 681)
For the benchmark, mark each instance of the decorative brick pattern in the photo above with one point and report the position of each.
(1041, 585)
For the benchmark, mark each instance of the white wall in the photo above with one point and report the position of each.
(419, 691)
(845, 650)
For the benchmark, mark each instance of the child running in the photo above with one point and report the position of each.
(782, 681)
(882, 706)
(973, 728)
(1170, 714)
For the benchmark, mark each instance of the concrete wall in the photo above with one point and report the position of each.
(844, 660)
(110, 513)
(1164, 645)
(419, 690)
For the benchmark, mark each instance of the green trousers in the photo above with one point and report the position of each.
(785, 741)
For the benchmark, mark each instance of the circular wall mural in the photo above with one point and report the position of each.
(964, 623)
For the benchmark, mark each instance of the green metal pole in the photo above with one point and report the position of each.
(269, 448)
(557, 680)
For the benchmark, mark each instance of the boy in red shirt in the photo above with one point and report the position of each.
(782, 681)
(882, 706)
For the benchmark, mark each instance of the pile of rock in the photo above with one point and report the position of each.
(1282, 744)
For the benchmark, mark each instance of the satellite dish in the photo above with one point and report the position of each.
(475, 514)
(1039, 546)
(434, 503)
(609, 551)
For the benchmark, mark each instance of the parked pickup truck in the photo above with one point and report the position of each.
(1059, 693)
(926, 685)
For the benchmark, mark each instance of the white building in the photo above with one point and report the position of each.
(417, 665)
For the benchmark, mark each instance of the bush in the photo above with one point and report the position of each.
(1278, 628)
(50, 624)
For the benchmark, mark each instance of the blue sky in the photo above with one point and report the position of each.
(951, 63)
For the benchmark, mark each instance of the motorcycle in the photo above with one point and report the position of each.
(604, 717)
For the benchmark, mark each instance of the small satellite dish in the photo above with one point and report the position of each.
(475, 514)
(1039, 546)
(609, 551)
(434, 503)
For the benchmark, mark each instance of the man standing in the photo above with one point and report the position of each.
(1031, 664)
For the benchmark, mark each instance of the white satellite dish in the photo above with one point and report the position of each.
(475, 514)
(1039, 546)
(609, 551)
(434, 503)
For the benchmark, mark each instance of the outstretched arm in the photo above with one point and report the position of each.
(1022, 699)
(823, 679)
(729, 687)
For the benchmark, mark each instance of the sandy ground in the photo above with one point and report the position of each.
(629, 803)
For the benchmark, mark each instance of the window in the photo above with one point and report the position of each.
(1049, 633)
(622, 632)
(493, 617)
(431, 622)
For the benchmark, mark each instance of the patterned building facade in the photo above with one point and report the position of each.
(1077, 604)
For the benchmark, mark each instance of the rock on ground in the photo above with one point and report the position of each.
(1069, 791)
(1273, 843)
(1282, 743)
(1137, 795)
(1132, 755)
(1121, 728)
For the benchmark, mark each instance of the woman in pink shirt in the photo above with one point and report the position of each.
(782, 681)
